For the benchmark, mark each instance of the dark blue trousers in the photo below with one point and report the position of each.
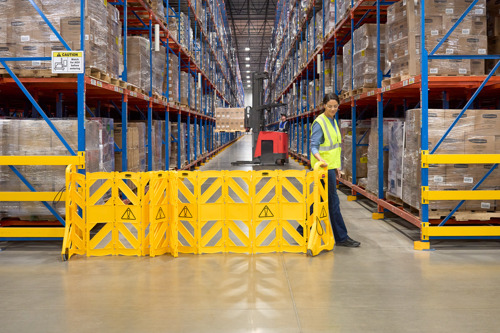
(336, 219)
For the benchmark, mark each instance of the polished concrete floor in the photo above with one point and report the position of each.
(383, 286)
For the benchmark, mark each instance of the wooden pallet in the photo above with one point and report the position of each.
(360, 91)
(98, 74)
(118, 83)
(465, 215)
(34, 73)
(394, 80)
(394, 199)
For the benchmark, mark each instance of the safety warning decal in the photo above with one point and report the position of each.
(160, 215)
(323, 213)
(128, 215)
(266, 212)
(67, 62)
(185, 213)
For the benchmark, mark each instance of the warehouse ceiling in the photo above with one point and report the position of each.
(251, 23)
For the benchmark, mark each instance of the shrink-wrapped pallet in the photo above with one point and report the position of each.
(138, 61)
(365, 55)
(34, 138)
(475, 133)
(362, 135)
(403, 37)
(372, 179)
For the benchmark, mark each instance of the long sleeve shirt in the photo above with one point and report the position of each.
(317, 137)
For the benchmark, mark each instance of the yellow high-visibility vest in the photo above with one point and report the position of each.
(329, 150)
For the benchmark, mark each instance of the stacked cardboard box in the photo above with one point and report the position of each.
(34, 137)
(115, 45)
(365, 55)
(403, 36)
(159, 70)
(493, 16)
(362, 135)
(347, 65)
(157, 134)
(24, 33)
(142, 156)
(396, 146)
(230, 119)
(132, 149)
(372, 184)
(475, 133)
(172, 81)
(138, 61)
(177, 148)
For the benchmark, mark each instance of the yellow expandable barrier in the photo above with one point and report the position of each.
(155, 213)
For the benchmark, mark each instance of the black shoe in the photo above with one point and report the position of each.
(349, 242)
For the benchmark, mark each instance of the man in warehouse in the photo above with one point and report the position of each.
(283, 126)
(325, 148)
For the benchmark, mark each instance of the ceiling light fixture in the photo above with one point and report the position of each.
(247, 49)
(247, 58)
(247, 65)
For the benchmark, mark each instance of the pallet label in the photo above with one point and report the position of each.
(67, 62)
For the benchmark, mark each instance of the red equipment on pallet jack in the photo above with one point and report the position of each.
(272, 147)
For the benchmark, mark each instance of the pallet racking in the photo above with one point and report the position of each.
(392, 97)
(99, 95)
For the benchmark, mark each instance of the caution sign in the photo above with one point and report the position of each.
(185, 213)
(160, 215)
(128, 215)
(266, 212)
(323, 213)
(70, 62)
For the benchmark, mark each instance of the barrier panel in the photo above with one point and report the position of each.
(155, 213)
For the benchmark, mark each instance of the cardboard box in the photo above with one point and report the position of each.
(487, 122)
(453, 143)
(31, 50)
(466, 122)
(473, 45)
(461, 174)
(7, 50)
(479, 144)
(20, 30)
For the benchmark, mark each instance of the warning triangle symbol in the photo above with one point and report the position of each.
(185, 213)
(58, 55)
(323, 213)
(266, 212)
(160, 214)
(128, 215)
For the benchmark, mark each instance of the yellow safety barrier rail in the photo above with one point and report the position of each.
(443, 231)
(155, 213)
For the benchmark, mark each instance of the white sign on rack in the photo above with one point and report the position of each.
(67, 62)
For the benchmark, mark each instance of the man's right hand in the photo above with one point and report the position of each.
(323, 164)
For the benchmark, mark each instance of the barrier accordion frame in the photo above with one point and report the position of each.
(171, 212)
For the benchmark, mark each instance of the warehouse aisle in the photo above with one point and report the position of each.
(384, 286)
(241, 150)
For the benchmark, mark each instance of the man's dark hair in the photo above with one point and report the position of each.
(328, 97)
(283, 115)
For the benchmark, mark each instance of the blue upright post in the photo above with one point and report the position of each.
(179, 138)
(194, 138)
(424, 143)
(353, 107)
(150, 104)
(81, 85)
(188, 139)
(167, 138)
(124, 110)
(380, 113)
